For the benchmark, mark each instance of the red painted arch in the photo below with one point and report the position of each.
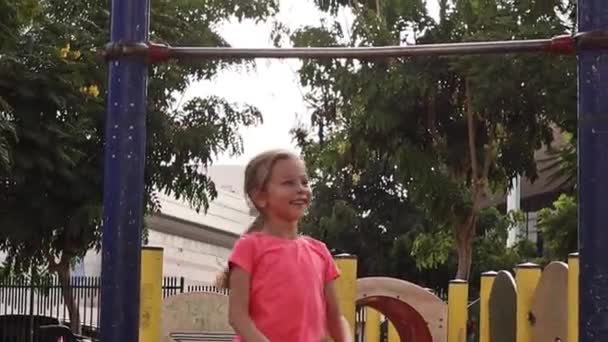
(417, 314)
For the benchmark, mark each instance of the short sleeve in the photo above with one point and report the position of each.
(243, 254)
(331, 269)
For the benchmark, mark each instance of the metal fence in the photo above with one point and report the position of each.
(25, 304)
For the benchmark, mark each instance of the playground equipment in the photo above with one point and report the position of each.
(549, 309)
(194, 313)
(538, 305)
(535, 305)
(130, 50)
(151, 294)
(502, 303)
(415, 313)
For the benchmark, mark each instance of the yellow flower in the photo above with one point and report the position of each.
(94, 90)
(64, 51)
(75, 54)
(91, 90)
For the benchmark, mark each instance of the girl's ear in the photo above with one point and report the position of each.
(259, 199)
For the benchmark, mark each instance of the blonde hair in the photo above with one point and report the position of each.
(257, 174)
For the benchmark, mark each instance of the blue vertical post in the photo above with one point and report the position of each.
(593, 177)
(125, 140)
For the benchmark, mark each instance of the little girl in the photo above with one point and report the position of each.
(281, 283)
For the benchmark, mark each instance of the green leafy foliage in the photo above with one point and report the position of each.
(7, 137)
(490, 250)
(367, 214)
(53, 89)
(558, 225)
(450, 130)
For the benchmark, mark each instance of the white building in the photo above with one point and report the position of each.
(196, 245)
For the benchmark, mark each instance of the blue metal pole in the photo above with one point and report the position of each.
(593, 177)
(125, 139)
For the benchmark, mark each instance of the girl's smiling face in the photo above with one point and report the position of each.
(287, 193)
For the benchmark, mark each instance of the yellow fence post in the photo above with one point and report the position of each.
(573, 304)
(487, 280)
(372, 325)
(346, 286)
(458, 296)
(151, 294)
(527, 276)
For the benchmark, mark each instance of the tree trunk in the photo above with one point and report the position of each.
(465, 234)
(465, 231)
(63, 271)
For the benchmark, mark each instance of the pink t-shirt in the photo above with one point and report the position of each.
(288, 277)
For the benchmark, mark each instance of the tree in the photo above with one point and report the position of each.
(558, 225)
(7, 130)
(344, 213)
(55, 87)
(455, 129)
(368, 214)
(7, 135)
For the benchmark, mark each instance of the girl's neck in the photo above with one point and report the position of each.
(282, 229)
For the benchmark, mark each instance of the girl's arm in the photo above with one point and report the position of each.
(238, 307)
(339, 329)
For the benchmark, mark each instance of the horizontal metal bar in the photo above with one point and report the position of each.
(364, 52)
(564, 44)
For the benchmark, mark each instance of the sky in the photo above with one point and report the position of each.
(272, 86)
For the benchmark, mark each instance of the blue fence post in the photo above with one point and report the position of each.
(125, 140)
(593, 177)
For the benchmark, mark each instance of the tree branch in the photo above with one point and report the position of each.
(471, 134)
(489, 153)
